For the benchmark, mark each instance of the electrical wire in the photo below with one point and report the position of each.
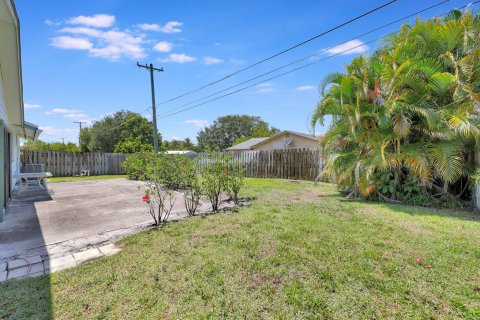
(169, 113)
(280, 75)
(307, 57)
(282, 52)
(271, 78)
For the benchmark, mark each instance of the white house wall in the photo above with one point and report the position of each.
(14, 139)
(298, 142)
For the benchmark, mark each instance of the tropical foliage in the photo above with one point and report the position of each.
(228, 130)
(164, 174)
(404, 121)
(122, 131)
(39, 145)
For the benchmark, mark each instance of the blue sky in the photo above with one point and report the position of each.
(79, 57)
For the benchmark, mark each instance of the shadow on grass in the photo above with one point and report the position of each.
(413, 210)
(26, 293)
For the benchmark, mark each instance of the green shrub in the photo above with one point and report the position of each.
(190, 183)
(164, 173)
(135, 164)
(234, 178)
(213, 176)
(158, 196)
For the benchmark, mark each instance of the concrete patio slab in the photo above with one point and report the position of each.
(75, 213)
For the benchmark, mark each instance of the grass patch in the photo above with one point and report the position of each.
(298, 252)
(100, 177)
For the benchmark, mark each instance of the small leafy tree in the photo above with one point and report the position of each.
(213, 177)
(190, 184)
(159, 198)
(234, 178)
(135, 165)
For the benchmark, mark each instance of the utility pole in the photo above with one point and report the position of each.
(154, 110)
(63, 140)
(80, 133)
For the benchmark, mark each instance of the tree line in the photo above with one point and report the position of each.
(129, 132)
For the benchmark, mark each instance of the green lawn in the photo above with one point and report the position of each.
(101, 177)
(298, 252)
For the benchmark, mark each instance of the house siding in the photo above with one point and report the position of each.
(5, 124)
(298, 142)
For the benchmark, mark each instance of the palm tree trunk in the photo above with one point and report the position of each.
(476, 189)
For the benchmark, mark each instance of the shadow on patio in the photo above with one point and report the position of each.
(22, 229)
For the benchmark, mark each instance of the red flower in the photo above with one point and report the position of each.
(420, 261)
(475, 289)
(146, 198)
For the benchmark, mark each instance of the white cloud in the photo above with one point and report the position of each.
(82, 31)
(265, 87)
(111, 45)
(265, 90)
(119, 45)
(179, 58)
(349, 47)
(67, 42)
(211, 60)
(197, 123)
(149, 26)
(31, 105)
(76, 116)
(96, 21)
(52, 131)
(52, 23)
(305, 88)
(61, 111)
(163, 46)
(169, 27)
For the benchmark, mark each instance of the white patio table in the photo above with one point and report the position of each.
(23, 178)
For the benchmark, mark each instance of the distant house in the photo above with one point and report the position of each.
(188, 153)
(283, 140)
(12, 123)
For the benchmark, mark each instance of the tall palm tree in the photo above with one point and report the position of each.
(411, 108)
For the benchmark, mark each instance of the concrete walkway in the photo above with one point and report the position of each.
(35, 266)
(74, 216)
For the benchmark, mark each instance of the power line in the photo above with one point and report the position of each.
(270, 57)
(287, 72)
(307, 57)
(164, 115)
(282, 52)
(277, 76)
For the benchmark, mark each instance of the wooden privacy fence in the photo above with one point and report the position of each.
(297, 164)
(71, 163)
